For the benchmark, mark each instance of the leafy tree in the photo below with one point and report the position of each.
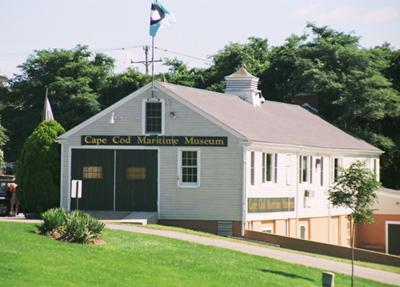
(253, 55)
(74, 78)
(348, 81)
(355, 190)
(179, 73)
(120, 85)
(38, 170)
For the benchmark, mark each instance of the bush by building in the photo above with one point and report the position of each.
(38, 171)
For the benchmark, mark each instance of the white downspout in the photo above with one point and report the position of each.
(244, 190)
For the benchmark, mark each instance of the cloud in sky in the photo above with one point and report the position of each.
(325, 14)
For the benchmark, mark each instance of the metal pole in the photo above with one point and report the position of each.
(146, 53)
(152, 66)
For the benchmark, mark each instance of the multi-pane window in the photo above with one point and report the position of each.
(321, 166)
(336, 169)
(269, 167)
(252, 165)
(303, 231)
(376, 168)
(153, 118)
(136, 173)
(92, 172)
(189, 168)
(305, 169)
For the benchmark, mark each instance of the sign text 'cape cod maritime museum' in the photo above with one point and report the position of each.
(213, 161)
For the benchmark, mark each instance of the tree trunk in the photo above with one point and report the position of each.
(353, 229)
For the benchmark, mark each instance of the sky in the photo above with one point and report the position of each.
(120, 28)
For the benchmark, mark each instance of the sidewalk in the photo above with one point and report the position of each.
(320, 263)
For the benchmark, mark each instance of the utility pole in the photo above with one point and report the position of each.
(146, 62)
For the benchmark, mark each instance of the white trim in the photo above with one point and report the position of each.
(104, 112)
(61, 175)
(274, 172)
(116, 148)
(387, 233)
(293, 148)
(115, 179)
(244, 190)
(69, 176)
(189, 185)
(153, 100)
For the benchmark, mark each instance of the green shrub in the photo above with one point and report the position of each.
(53, 220)
(38, 170)
(80, 227)
(75, 226)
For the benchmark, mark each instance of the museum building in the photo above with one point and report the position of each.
(217, 162)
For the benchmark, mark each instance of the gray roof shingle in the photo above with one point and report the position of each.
(273, 122)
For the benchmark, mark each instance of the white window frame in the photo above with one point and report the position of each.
(340, 165)
(186, 184)
(309, 170)
(252, 168)
(153, 100)
(274, 168)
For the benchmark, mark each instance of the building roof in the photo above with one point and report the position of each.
(389, 191)
(273, 122)
(241, 73)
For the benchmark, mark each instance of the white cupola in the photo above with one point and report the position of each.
(244, 85)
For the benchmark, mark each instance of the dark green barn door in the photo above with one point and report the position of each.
(136, 180)
(96, 170)
(394, 239)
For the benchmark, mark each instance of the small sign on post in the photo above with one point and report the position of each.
(76, 190)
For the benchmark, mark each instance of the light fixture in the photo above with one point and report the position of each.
(172, 115)
(112, 119)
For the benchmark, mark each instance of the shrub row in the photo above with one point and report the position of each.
(75, 226)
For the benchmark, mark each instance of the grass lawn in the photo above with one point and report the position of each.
(390, 268)
(129, 259)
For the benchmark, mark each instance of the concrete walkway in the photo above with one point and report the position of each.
(320, 263)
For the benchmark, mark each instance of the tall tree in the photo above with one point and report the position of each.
(253, 55)
(355, 189)
(120, 85)
(347, 80)
(74, 78)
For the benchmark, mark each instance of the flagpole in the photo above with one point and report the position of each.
(152, 66)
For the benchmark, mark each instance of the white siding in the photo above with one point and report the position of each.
(288, 183)
(219, 196)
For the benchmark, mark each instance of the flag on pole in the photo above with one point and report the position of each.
(47, 112)
(158, 17)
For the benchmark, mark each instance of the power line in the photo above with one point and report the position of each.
(184, 55)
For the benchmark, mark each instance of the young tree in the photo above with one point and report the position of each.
(38, 170)
(355, 189)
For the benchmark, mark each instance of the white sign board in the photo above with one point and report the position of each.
(76, 188)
